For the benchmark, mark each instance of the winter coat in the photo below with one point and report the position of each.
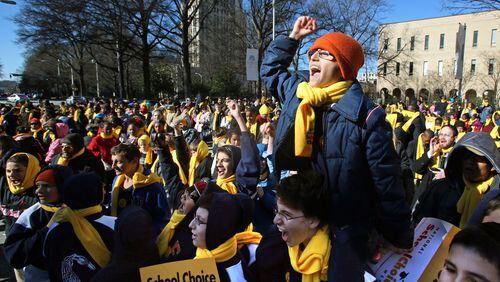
(352, 147)
(440, 199)
(55, 146)
(12, 205)
(66, 257)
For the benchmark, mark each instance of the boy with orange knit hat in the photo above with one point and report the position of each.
(329, 125)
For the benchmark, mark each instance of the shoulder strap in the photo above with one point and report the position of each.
(370, 120)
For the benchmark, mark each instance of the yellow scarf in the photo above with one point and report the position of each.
(471, 196)
(139, 180)
(29, 178)
(76, 115)
(88, 113)
(168, 232)
(228, 184)
(106, 136)
(252, 127)
(437, 158)
(214, 122)
(90, 134)
(201, 153)
(50, 134)
(86, 233)
(36, 132)
(419, 153)
(117, 131)
(408, 123)
(304, 117)
(182, 175)
(248, 237)
(49, 208)
(222, 253)
(312, 262)
(392, 119)
(64, 161)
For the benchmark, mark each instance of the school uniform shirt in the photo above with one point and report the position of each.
(67, 259)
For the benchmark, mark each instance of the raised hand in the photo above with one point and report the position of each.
(303, 26)
(233, 108)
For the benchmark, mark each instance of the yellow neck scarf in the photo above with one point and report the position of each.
(248, 237)
(64, 161)
(49, 208)
(471, 196)
(228, 184)
(76, 115)
(168, 232)
(86, 233)
(252, 127)
(222, 253)
(214, 122)
(35, 132)
(139, 180)
(29, 178)
(117, 131)
(437, 158)
(312, 262)
(201, 153)
(182, 175)
(419, 153)
(106, 136)
(304, 117)
(412, 116)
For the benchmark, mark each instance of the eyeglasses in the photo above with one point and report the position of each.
(197, 221)
(325, 55)
(282, 215)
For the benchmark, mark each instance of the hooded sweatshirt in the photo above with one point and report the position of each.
(441, 198)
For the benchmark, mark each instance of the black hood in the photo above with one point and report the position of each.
(477, 141)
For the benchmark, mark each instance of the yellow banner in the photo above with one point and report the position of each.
(193, 270)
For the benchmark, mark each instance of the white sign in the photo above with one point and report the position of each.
(430, 247)
(252, 64)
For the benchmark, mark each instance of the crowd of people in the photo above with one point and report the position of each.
(308, 184)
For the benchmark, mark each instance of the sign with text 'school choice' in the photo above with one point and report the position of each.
(431, 242)
(193, 270)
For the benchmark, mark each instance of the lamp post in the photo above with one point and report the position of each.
(96, 77)
(274, 19)
(72, 82)
(201, 77)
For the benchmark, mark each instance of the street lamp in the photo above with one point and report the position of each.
(96, 77)
(201, 77)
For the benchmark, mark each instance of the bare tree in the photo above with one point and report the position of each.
(461, 6)
(491, 80)
(181, 26)
(57, 23)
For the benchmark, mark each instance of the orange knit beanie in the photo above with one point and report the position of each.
(346, 50)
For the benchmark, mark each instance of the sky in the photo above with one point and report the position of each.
(12, 53)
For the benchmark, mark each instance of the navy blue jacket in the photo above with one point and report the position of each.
(352, 147)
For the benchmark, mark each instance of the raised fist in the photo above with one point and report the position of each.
(303, 26)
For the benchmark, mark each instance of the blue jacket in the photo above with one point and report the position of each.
(352, 147)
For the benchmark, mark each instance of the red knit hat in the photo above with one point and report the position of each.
(347, 51)
(47, 176)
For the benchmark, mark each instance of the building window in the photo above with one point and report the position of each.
(410, 71)
(473, 66)
(491, 66)
(386, 44)
(493, 37)
(441, 41)
(440, 68)
(412, 43)
(397, 68)
(426, 42)
(398, 48)
(426, 68)
(385, 69)
(474, 38)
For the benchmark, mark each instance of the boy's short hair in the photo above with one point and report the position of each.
(492, 206)
(19, 159)
(130, 152)
(483, 239)
(306, 191)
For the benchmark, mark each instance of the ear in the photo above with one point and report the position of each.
(313, 222)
